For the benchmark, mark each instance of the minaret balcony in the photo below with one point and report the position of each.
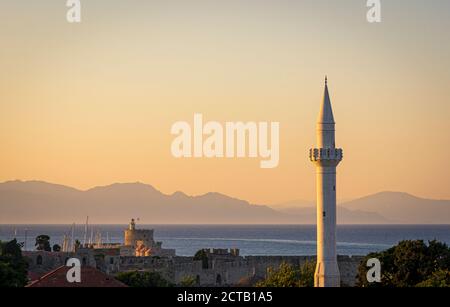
(325, 154)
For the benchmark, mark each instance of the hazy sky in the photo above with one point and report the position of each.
(93, 103)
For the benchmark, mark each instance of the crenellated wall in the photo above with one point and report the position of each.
(231, 271)
(223, 269)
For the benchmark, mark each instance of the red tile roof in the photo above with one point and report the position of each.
(90, 278)
(32, 276)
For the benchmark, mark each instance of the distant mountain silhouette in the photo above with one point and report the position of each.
(307, 211)
(39, 202)
(380, 208)
(307, 215)
(404, 208)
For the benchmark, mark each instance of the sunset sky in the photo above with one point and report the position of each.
(92, 104)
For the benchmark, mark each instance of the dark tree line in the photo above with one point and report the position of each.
(13, 267)
(410, 264)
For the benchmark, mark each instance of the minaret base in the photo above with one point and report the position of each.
(327, 275)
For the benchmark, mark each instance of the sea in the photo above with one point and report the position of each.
(256, 240)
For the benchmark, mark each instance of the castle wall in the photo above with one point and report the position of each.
(223, 270)
(41, 262)
(226, 272)
(256, 267)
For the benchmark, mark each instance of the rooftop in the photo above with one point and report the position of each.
(90, 278)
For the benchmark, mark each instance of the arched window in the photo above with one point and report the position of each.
(39, 260)
(219, 280)
(84, 261)
(197, 280)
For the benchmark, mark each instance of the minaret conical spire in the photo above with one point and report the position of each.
(326, 112)
(326, 158)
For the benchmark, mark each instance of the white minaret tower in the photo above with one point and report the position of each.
(326, 157)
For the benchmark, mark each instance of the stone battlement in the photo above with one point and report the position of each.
(221, 271)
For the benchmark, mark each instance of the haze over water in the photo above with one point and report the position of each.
(252, 239)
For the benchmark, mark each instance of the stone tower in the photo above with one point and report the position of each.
(134, 237)
(326, 157)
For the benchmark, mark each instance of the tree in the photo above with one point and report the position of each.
(409, 264)
(202, 256)
(43, 243)
(307, 271)
(56, 248)
(188, 281)
(143, 279)
(13, 267)
(77, 244)
(288, 276)
(438, 279)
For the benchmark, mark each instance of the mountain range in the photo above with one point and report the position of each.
(37, 202)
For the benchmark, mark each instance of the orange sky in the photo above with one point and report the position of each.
(93, 104)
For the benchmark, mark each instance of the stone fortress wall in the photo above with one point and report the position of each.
(221, 271)
(223, 268)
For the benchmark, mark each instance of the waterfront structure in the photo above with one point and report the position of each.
(141, 243)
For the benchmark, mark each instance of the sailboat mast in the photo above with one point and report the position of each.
(85, 231)
(72, 238)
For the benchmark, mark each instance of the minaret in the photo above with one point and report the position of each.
(326, 157)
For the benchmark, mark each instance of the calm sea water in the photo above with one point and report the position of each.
(251, 239)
